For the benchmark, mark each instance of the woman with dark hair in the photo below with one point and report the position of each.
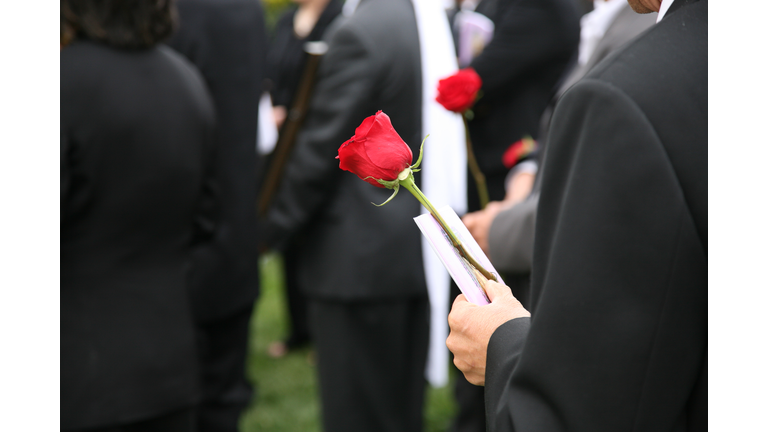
(136, 125)
(127, 24)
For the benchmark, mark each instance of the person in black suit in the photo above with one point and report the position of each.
(533, 44)
(617, 334)
(507, 229)
(287, 62)
(136, 141)
(360, 265)
(227, 41)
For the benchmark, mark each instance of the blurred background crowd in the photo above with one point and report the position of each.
(219, 272)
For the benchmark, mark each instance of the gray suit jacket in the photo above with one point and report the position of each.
(348, 248)
(511, 235)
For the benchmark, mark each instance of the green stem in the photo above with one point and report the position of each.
(409, 184)
(474, 168)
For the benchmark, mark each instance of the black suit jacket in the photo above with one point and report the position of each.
(534, 41)
(617, 339)
(228, 43)
(510, 239)
(352, 249)
(136, 130)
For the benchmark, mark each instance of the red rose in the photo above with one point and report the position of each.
(517, 151)
(375, 151)
(458, 92)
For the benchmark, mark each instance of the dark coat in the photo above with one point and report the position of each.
(228, 43)
(136, 130)
(510, 239)
(617, 339)
(353, 249)
(534, 41)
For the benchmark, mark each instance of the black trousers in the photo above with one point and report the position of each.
(223, 345)
(297, 300)
(371, 358)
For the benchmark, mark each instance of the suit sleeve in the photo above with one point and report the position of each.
(65, 179)
(510, 238)
(618, 328)
(345, 83)
(527, 36)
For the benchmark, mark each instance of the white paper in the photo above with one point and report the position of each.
(475, 32)
(459, 270)
(267, 133)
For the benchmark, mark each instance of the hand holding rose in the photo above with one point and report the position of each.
(472, 327)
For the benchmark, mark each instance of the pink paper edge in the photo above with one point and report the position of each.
(431, 230)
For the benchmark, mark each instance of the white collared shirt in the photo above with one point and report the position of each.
(594, 25)
(665, 4)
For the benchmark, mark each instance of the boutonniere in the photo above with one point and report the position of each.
(518, 151)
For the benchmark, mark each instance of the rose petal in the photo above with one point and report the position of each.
(362, 131)
(352, 158)
(386, 149)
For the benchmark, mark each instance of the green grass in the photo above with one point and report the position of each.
(286, 389)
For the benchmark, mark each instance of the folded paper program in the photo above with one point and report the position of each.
(463, 273)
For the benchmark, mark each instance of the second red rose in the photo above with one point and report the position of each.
(458, 92)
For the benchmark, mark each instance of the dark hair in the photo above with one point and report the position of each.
(119, 23)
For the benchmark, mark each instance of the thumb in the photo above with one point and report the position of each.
(495, 289)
